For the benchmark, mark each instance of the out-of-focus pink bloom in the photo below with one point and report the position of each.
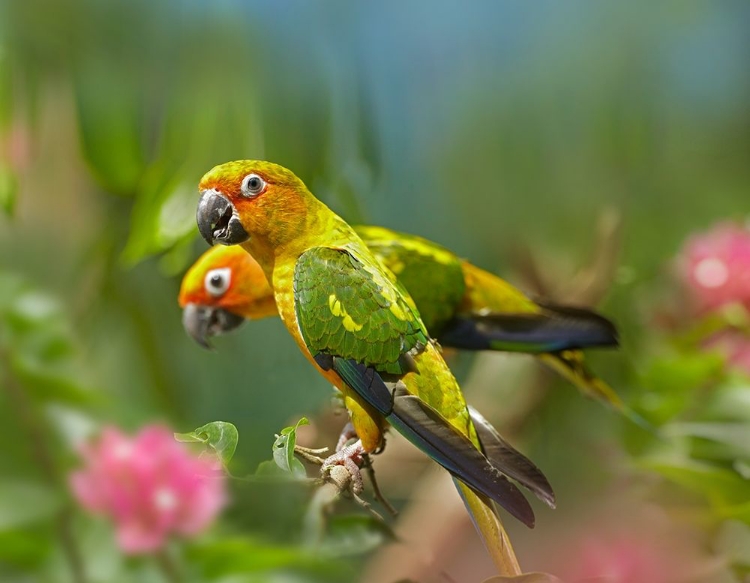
(620, 560)
(627, 541)
(715, 267)
(734, 346)
(150, 485)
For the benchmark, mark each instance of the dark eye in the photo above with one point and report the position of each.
(217, 281)
(252, 185)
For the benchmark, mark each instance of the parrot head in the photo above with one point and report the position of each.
(225, 286)
(252, 199)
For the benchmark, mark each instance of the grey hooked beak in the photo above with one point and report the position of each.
(217, 221)
(202, 322)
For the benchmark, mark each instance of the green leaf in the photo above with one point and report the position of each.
(734, 436)
(244, 555)
(25, 548)
(283, 450)
(221, 436)
(163, 216)
(673, 380)
(269, 469)
(111, 121)
(720, 486)
(355, 535)
(23, 503)
(8, 190)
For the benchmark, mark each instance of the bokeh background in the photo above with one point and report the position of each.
(571, 147)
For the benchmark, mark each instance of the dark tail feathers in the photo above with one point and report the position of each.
(553, 329)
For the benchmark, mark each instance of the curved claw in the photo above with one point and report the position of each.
(351, 458)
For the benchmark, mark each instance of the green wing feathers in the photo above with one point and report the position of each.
(431, 274)
(346, 307)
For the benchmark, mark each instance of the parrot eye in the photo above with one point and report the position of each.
(217, 281)
(253, 185)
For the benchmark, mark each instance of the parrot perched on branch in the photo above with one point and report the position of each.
(461, 305)
(359, 328)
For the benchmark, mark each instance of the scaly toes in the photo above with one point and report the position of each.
(350, 457)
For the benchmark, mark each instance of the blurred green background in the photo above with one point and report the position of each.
(501, 130)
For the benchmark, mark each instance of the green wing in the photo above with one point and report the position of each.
(431, 274)
(347, 307)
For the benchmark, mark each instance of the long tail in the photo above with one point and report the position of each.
(426, 428)
(555, 335)
(552, 329)
(487, 521)
(570, 365)
(510, 461)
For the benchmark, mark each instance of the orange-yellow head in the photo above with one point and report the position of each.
(255, 202)
(225, 286)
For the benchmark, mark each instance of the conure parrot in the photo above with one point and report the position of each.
(226, 286)
(461, 305)
(359, 328)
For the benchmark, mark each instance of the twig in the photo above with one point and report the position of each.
(376, 488)
(311, 455)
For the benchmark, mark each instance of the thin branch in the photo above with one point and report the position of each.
(376, 488)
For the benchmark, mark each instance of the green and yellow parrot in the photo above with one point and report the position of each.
(359, 328)
(461, 305)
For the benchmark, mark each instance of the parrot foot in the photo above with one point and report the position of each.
(347, 433)
(351, 458)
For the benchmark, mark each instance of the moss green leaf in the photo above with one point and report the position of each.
(355, 535)
(8, 190)
(220, 436)
(283, 450)
(23, 503)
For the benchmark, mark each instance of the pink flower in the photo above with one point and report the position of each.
(715, 267)
(621, 560)
(150, 485)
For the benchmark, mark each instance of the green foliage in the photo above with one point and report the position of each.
(352, 535)
(37, 346)
(8, 189)
(670, 383)
(283, 450)
(220, 436)
(241, 555)
(23, 503)
(27, 511)
(111, 120)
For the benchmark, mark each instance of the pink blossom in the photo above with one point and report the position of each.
(149, 485)
(715, 267)
(626, 559)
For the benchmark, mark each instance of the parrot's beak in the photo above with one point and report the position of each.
(202, 322)
(217, 220)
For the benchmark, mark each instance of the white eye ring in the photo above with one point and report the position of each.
(217, 281)
(252, 185)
